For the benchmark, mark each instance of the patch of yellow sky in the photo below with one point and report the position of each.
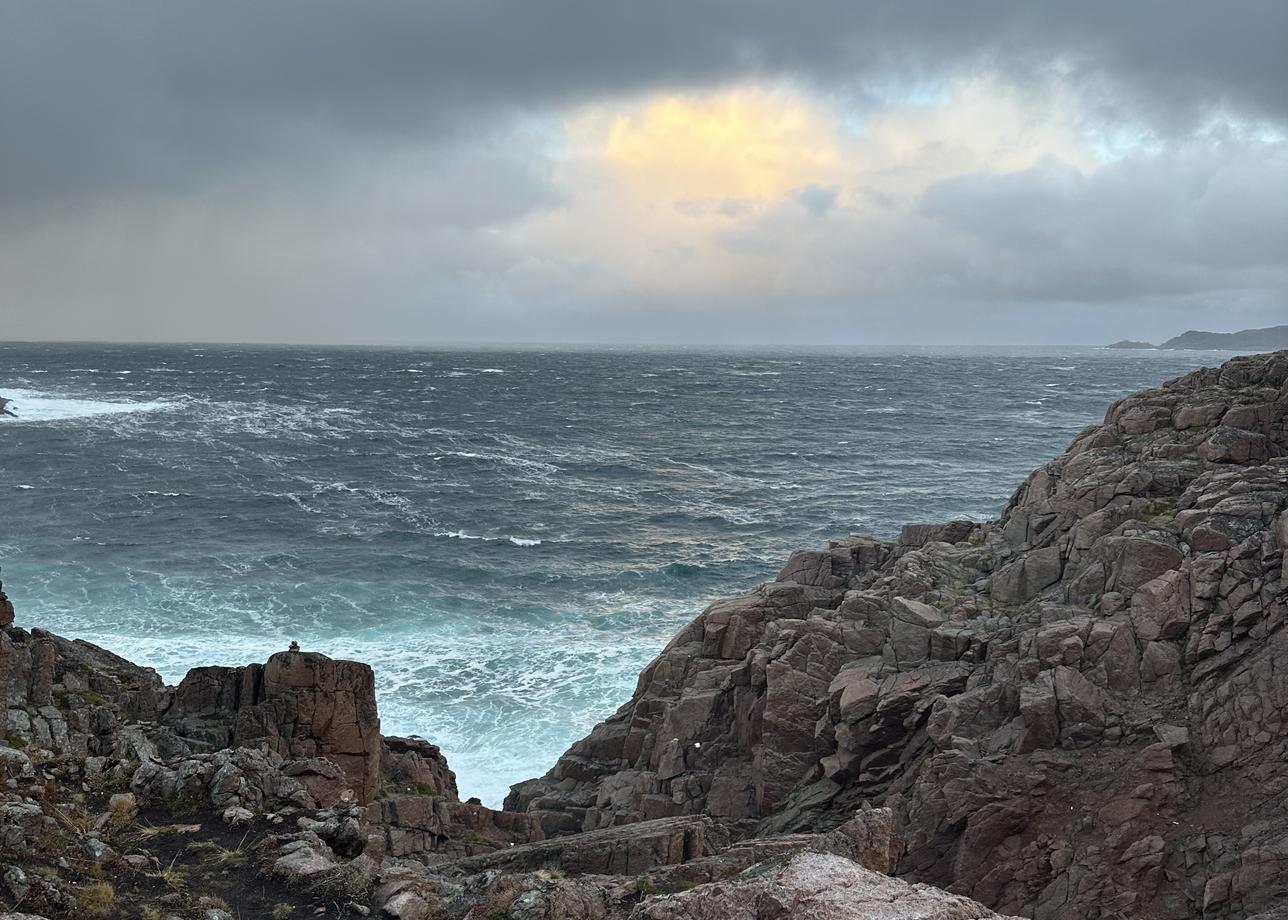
(732, 145)
(657, 185)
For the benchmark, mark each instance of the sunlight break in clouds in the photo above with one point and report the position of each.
(754, 192)
(734, 145)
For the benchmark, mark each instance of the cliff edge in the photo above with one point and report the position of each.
(1075, 710)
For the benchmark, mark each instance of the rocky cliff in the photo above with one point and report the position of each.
(1073, 711)
(267, 791)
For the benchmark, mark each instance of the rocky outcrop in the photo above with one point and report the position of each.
(813, 886)
(1074, 710)
(301, 705)
(267, 789)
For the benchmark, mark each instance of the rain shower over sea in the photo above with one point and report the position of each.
(507, 537)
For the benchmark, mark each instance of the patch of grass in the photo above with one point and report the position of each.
(119, 816)
(150, 831)
(425, 789)
(15, 741)
(175, 878)
(91, 697)
(472, 837)
(283, 911)
(152, 913)
(217, 857)
(183, 804)
(109, 781)
(645, 887)
(346, 882)
(74, 818)
(97, 899)
(1160, 511)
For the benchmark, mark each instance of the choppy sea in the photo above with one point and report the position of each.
(506, 536)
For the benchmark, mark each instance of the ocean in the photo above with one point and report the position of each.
(507, 537)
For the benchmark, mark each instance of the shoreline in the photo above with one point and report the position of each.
(928, 706)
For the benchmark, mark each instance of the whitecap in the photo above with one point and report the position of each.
(491, 370)
(463, 535)
(35, 406)
(23, 486)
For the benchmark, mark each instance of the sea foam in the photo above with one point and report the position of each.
(36, 406)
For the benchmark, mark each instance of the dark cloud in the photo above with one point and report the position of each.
(362, 171)
(169, 94)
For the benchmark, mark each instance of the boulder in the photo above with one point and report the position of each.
(812, 886)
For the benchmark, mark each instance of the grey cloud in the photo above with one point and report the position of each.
(818, 200)
(166, 95)
(1197, 218)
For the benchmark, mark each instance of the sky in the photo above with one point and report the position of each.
(600, 171)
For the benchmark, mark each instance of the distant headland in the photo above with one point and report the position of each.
(1271, 338)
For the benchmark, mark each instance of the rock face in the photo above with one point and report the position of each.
(1075, 710)
(299, 704)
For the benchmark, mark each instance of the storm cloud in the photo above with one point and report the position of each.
(422, 172)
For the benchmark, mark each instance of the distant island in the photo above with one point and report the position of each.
(1271, 338)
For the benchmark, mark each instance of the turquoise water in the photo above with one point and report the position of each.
(506, 536)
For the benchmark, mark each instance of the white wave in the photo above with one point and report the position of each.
(462, 535)
(36, 406)
(536, 467)
(491, 370)
(23, 486)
